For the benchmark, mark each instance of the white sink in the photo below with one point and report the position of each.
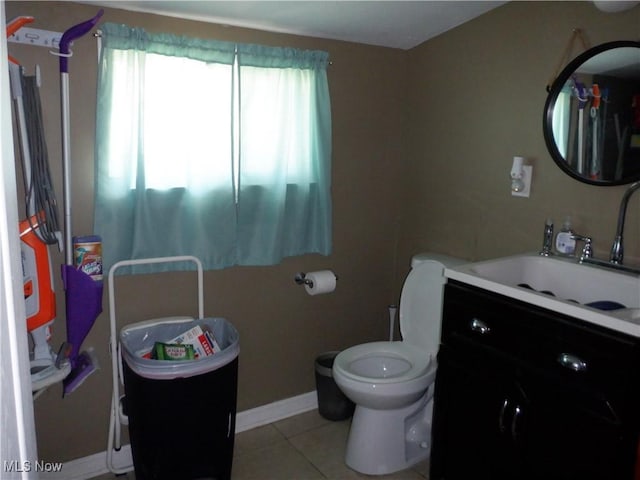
(562, 285)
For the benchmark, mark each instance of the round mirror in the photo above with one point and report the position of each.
(592, 115)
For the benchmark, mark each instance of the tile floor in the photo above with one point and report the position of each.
(303, 447)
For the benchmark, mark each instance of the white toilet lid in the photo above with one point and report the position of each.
(421, 305)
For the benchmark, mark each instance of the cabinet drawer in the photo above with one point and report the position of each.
(556, 346)
(475, 319)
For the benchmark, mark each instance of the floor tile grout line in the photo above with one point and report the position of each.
(306, 431)
(259, 446)
(301, 451)
(307, 459)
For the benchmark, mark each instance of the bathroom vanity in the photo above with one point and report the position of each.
(538, 378)
(535, 386)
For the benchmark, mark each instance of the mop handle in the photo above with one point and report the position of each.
(582, 96)
(70, 35)
(64, 53)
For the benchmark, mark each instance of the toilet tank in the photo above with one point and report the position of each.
(421, 300)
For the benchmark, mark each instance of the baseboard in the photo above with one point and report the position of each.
(275, 411)
(96, 464)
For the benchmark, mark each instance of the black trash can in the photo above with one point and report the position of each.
(332, 403)
(181, 413)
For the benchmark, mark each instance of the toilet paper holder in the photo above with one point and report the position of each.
(301, 279)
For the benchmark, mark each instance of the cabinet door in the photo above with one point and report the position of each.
(498, 423)
(575, 436)
(474, 410)
(527, 394)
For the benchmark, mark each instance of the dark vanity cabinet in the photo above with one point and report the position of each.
(526, 393)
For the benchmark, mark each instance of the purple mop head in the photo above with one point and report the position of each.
(83, 297)
(82, 366)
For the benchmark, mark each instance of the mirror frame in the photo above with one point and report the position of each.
(549, 105)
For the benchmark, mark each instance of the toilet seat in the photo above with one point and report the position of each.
(394, 362)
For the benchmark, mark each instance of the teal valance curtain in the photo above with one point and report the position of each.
(212, 149)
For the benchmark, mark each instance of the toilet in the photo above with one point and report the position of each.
(392, 383)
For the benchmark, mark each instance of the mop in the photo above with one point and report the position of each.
(83, 294)
(581, 95)
(595, 145)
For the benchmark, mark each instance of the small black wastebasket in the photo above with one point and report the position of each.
(332, 403)
(181, 413)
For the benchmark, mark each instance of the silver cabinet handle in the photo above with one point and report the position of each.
(501, 415)
(514, 422)
(480, 327)
(517, 413)
(572, 362)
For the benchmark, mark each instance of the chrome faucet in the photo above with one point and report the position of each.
(617, 250)
(547, 240)
(587, 250)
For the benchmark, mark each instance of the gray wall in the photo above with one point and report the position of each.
(422, 149)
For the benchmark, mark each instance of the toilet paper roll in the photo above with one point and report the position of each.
(323, 281)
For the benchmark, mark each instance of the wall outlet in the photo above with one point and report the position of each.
(526, 179)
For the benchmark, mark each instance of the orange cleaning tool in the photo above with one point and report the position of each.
(39, 296)
(13, 26)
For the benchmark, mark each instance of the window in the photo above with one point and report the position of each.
(211, 149)
(177, 119)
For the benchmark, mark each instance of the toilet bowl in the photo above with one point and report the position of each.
(384, 375)
(392, 383)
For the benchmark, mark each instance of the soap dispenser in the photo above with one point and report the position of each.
(565, 243)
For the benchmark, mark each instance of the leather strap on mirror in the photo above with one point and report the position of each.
(576, 34)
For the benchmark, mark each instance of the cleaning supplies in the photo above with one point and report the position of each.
(46, 365)
(40, 227)
(172, 351)
(565, 243)
(87, 254)
(200, 338)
